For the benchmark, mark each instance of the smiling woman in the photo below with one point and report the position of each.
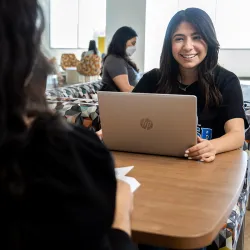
(189, 66)
(188, 47)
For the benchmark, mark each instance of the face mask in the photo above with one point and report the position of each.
(130, 50)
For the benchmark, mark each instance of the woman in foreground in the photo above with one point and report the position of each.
(189, 66)
(58, 186)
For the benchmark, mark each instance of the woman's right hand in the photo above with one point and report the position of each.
(124, 207)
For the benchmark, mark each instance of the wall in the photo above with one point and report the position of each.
(128, 13)
(46, 37)
(119, 13)
(156, 24)
(133, 13)
(236, 61)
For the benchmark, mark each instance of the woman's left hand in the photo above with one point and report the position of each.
(203, 151)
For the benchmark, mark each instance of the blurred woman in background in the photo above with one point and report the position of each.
(119, 72)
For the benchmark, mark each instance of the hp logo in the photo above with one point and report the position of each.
(146, 124)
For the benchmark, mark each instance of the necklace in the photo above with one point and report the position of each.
(182, 86)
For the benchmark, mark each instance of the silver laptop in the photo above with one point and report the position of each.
(148, 123)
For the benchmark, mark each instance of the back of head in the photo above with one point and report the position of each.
(23, 73)
(36, 85)
(92, 46)
(20, 40)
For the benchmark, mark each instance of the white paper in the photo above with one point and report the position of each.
(134, 184)
(120, 175)
(122, 171)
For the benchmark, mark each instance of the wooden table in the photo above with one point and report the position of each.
(183, 204)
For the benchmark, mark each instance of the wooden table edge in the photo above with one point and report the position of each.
(194, 242)
(177, 242)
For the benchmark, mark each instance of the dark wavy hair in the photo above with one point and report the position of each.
(169, 68)
(117, 45)
(23, 73)
(92, 46)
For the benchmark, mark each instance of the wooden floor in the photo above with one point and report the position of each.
(247, 232)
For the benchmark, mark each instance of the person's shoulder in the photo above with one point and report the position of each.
(74, 171)
(113, 60)
(76, 154)
(153, 74)
(148, 82)
(67, 141)
(224, 77)
(222, 72)
(87, 143)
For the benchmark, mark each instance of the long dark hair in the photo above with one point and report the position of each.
(92, 46)
(169, 68)
(117, 45)
(21, 62)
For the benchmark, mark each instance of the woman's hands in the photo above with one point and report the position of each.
(203, 151)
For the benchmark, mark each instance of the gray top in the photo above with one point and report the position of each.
(115, 66)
